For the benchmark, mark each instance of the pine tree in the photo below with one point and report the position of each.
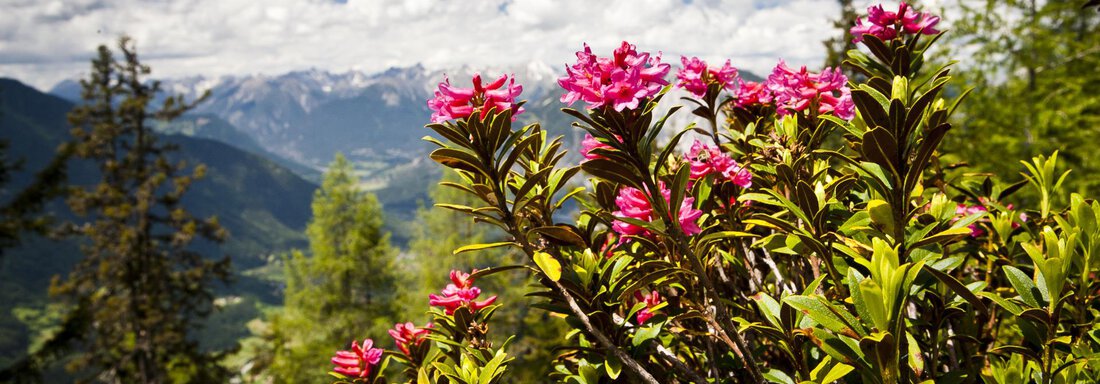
(139, 287)
(346, 288)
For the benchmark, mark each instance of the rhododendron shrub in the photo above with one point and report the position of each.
(764, 253)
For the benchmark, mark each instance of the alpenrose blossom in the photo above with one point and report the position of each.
(452, 103)
(621, 81)
(460, 293)
(887, 25)
(588, 144)
(407, 334)
(795, 91)
(706, 159)
(633, 204)
(696, 76)
(359, 361)
(752, 94)
(651, 300)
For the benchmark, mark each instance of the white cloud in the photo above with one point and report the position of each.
(42, 42)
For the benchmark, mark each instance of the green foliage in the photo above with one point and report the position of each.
(437, 233)
(344, 289)
(1033, 67)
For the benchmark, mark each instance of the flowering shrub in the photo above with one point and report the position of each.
(764, 254)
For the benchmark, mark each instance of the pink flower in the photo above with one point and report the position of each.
(588, 144)
(751, 94)
(705, 159)
(621, 81)
(963, 210)
(459, 293)
(405, 335)
(358, 361)
(452, 103)
(795, 91)
(696, 76)
(651, 300)
(887, 25)
(634, 204)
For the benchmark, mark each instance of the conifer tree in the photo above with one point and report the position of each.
(346, 287)
(140, 287)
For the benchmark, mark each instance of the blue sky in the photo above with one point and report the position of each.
(45, 41)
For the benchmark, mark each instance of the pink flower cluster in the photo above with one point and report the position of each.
(407, 334)
(358, 361)
(461, 292)
(451, 103)
(795, 91)
(888, 25)
(651, 300)
(696, 76)
(705, 159)
(633, 204)
(752, 94)
(621, 81)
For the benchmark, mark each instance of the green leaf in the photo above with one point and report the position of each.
(722, 235)
(613, 366)
(561, 233)
(769, 307)
(612, 171)
(942, 237)
(776, 376)
(459, 159)
(837, 372)
(478, 247)
(645, 333)
(880, 213)
(876, 304)
(957, 287)
(837, 347)
(916, 360)
(679, 188)
(1023, 285)
(823, 313)
(1001, 302)
(549, 265)
(494, 270)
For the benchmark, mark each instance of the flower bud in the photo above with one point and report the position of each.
(900, 89)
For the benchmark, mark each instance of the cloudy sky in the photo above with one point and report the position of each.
(45, 41)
